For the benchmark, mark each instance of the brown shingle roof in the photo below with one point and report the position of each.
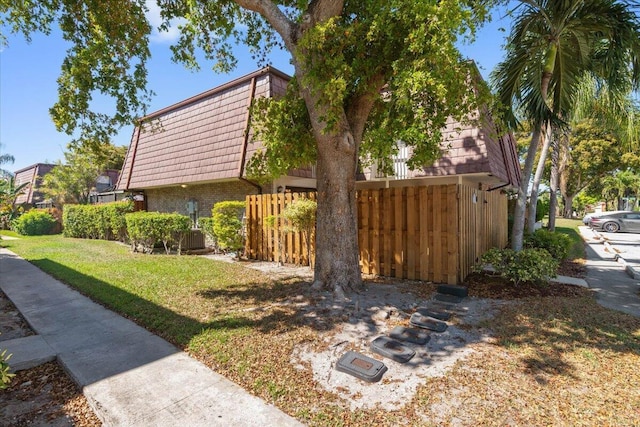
(476, 148)
(200, 139)
(33, 175)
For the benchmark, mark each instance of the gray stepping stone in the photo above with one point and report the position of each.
(420, 321)
(459, 291)
(434, 312)
(412, 335)
(361, 366)
(448, 298)
(392, 349)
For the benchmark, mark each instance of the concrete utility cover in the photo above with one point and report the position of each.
(448, 298)
(361, 366)
(459, 291)
(412, 335)
(435, 313)
(420, 321)
(392, 349)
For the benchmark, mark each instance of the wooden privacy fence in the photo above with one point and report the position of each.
(267, 242)
(432, 233)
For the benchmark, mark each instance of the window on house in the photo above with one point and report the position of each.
(398, 162)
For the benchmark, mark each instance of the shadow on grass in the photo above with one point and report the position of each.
(264, 308)
(176, 327)
(548, 334)
(577, 250)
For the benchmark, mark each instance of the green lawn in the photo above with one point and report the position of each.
(552, 361)
(176, 296)
(570, 228)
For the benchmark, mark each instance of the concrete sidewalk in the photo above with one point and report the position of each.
(130, 376)
(614, 287)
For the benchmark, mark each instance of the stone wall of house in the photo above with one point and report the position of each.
(175, 199)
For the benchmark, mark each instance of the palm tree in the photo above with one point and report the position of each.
(553, 43)
(5, 159)
(9, 192)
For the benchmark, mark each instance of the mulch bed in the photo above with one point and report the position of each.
(487, 285)
(40, 396)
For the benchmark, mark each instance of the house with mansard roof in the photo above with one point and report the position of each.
(476, 154)
(186, 157)
(190, 155)
(32, 195)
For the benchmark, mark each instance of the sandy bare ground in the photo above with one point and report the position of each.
(371, 314)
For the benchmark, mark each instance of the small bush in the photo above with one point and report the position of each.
(34, 223)
(227, 225)
(300, 216)
(527, 265)
(557, 244)
(5, 376)
(147, 228)
(542, 209)
(206, 226)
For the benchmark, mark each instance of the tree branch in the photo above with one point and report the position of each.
(321, 10)
(274, 16)
(359, 107)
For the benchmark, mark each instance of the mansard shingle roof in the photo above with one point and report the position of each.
(201, 139)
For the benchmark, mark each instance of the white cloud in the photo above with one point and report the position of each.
(155, 20)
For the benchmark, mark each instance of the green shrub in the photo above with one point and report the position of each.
(557, 244)
(34, 223)
(542, 209)
(5, 376)
(527, 265)
(115, 218)
(148, 228)
(300, 216)
(227, 225)
(206, 226)
(103, 221)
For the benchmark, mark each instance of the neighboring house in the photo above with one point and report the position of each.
(32, 196)
(188, 156)
(105, 189)
(191, 155)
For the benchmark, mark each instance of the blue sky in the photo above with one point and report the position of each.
(28, 87)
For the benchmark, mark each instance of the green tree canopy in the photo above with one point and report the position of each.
(589, 155)
(73, 180)
(346, 54)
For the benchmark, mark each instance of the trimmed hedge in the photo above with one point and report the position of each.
(148, 228)
(103, 221)
(35, 222)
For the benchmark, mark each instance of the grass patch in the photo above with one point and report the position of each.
(570, 228)
(556, 360)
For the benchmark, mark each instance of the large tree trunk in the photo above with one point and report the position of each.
(517, 233)
(553, 184)
(567, 212)
(337, 258)
(535, 186)
(517, 230)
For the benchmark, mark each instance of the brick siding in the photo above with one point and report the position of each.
(174, 199)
